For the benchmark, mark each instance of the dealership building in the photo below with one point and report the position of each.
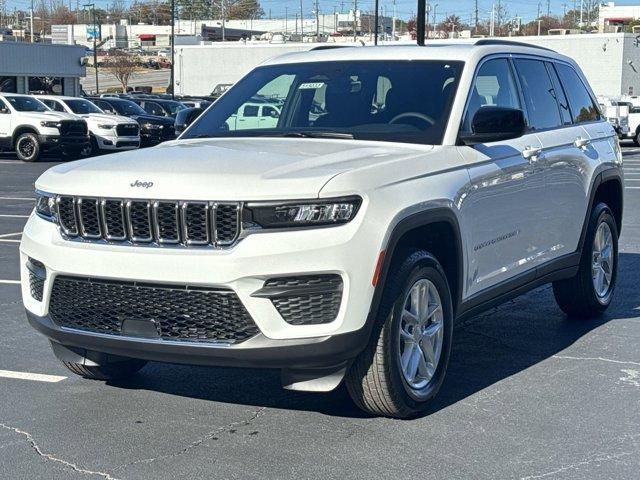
(37, 67)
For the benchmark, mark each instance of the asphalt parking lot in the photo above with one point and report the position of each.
(529, 395)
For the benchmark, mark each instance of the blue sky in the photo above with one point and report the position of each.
(527, 9)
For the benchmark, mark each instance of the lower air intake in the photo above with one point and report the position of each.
(179, 313)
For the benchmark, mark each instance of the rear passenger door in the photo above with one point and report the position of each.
(597, 142)
(503, 208)
(561, 159)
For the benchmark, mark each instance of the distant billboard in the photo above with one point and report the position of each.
(93, 31)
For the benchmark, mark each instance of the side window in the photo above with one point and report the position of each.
(250, 111)
(53, 105)
(560, 96)
(104, 106)
(539, 94)
(153, 108)
(494, 86)
(583, 108)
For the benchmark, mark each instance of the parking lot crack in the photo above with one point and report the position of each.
(573, 466)
(230, 428)
(597, 359)
(47, 456)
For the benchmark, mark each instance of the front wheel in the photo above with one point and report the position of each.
(590, 291)
(27, 147)
(405, 362)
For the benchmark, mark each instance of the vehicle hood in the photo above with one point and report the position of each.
(104, 119)
(48, 115)
(154, 119)
(223, 169)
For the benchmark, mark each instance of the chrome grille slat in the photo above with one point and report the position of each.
(89, 218)
(150, 222)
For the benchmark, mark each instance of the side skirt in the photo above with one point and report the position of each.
(558, 269)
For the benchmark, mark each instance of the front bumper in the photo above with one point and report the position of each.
(116, 143)
(257, 352)
(243, 268)
(63, 142)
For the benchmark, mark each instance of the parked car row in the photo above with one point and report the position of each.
(74, 127)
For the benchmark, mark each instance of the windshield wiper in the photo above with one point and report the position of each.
(345, 136)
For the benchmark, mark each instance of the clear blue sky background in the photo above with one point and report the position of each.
(527, 9)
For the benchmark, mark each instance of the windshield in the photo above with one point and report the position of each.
(82, 107)
(404, 101)
(27, 104)
(126, 108)
(174, 107)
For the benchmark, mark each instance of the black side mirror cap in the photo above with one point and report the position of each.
(495, 124)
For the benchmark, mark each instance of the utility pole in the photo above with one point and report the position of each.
(173, 48)
(476, 20)
(94, 35)
(301, 21)
(31, 23)
(492, 26)
(581, 12)
(317, 11)
(376, 19)
(223, 12)
(539, 26)
(393, 22)
(355, 20)
(286, 20)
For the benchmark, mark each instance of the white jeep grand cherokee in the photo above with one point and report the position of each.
(401, 188)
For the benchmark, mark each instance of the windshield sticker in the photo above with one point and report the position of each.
(311, 86)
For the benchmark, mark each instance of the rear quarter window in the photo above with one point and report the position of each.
(583, 107)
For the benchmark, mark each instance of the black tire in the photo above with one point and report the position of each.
(111, 371)
(636, 139)
(577, 296)
(375, 381)
(27, 147)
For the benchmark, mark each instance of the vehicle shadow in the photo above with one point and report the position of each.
(488, 348)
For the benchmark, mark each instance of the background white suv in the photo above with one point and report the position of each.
(401, 188)
(108, 132)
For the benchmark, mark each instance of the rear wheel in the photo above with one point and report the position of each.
(110, 371)
(404, 365)
(27, 147)
(590, 291)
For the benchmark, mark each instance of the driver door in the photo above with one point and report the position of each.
(500, 209)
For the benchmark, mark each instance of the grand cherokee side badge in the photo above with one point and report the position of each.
(139, 184)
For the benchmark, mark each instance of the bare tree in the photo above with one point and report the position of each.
(122, 66)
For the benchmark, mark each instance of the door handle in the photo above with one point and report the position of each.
(582, 142)
(531, 153)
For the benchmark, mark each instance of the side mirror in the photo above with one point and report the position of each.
(186, 117)
(4, 110)
(274, 114)
(495, 124)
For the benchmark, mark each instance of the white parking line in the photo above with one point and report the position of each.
(14, 216)
(10, 234)
(10, 282)
(31, 199)
(9, 240)
(36, 377)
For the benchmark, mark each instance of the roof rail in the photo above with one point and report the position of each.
(495, 41)
(330, 47)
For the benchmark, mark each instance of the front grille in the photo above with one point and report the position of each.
(168, 132)
(127, 130)
(180, 313)
(73, 127)
(150, 222)
(308, 300)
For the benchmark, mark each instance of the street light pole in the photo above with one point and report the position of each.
(173, 32)
(376, 19)
(95, 50)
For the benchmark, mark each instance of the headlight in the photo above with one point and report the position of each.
(50, 124)
(106, 127)
(46, 206)
(333, 211)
